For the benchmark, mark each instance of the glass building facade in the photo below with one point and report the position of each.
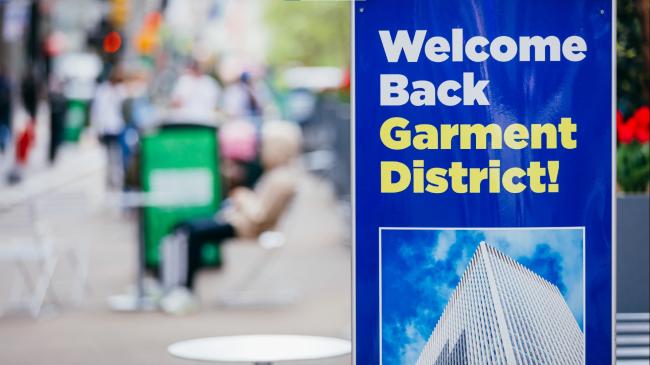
(503, 313)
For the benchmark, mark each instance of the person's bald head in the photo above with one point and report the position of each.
(281, 143)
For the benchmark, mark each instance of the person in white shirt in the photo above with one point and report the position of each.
(195, 96)
(108, 122)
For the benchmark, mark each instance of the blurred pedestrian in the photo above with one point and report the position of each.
(29, 94)
(138, 113)
(57, 117)
(5, 110)
(25, 138)
(108, 122)
(238, 142)
(249, 213)
(196, 95)
(244, 99)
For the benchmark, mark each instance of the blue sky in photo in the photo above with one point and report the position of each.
(421, 268)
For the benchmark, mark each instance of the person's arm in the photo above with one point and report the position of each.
(265, 205)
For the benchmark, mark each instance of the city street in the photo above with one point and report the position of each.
(324, 182)
(314, 265)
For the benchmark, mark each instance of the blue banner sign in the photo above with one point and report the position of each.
(483, 189)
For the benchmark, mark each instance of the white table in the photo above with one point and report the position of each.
(260, 349)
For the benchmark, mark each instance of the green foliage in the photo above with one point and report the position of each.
(633, 167)
(633, 77)
(308, 33)
(633, 82)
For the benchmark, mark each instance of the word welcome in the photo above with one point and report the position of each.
(480, 49)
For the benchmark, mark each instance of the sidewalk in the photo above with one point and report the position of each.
(74, 163)
(314, 263)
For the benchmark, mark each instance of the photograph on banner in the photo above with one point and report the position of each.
(484, 291)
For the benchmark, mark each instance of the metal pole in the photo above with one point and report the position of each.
(140, 294)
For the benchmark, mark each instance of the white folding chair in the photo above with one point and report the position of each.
(34, 257)
(74, 257)
(241, 294)
(270, 242)
(22, 255)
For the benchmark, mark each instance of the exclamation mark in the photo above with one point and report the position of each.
(553, 168)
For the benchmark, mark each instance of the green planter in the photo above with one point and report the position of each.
(180, 169)
(76, 119)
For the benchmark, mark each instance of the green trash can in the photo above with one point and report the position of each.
(179, 170)
(76, 118)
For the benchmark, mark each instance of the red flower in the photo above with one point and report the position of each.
(642, 122)
(619, 119)
(637, 127)
(625, 130)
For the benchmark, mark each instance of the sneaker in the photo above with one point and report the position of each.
(179, 301)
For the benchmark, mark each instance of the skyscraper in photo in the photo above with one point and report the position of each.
(503, 313)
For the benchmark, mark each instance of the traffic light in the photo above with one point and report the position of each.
(112, 42)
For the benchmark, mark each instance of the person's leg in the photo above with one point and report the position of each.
(56, 132)
(51, 155)
(198, 233)
(5, 134)
(104, 141)
(114, 162)
(181, 259)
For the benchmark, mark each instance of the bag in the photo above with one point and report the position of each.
(24, 143)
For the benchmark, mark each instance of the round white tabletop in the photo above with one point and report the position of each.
(260, 349)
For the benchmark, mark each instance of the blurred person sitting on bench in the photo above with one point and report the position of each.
(246, 214)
